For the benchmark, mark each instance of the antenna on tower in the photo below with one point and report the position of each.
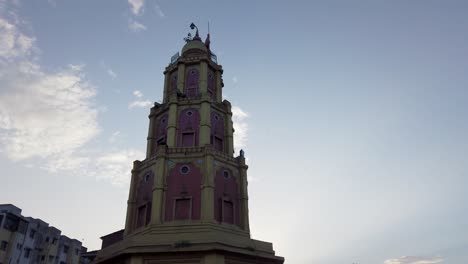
(208, 27)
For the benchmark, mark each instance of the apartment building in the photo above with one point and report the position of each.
(28, 240)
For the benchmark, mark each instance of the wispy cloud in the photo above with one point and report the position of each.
(234, 79)
(414, 260)
(136, 26)
(111, 73)
(108, 70)
(115, 137)
(48, 118)
(137, 6)
(239, 117)
(138, 94)
(139, 101)
(115, 166)
(49, 115)
(159, 11)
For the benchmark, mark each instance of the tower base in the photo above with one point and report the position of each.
(189, 244)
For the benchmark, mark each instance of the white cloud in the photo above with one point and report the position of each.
(137, 93)
(13, 43)
(240, 127)
(414, 260)
(137, 6)
(159, 11)
(111, 73)
(76, 67)
(116, 166)
(47, 115)
(234, 79)
(108, 70)
(139, 102)
(143, 103)
(136, 26)
(114, 137)
(48, 118)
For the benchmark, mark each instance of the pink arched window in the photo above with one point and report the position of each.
(226, 201)
(211, 85)
(183, 196)
(173, 83)
(161, 132)
(188, 130)
(144, 199)
(191, 83)
(217, 131)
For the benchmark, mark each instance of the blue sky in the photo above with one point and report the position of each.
(352, 115)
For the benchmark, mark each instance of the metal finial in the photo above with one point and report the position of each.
(193, 26)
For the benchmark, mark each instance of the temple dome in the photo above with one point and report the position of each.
(194, 44)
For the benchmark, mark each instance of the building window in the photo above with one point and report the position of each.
(1, 220)
(51, 258)
(54, 241)
(19, 246)
(32, 233)
(47, 239)
(11, 223)
(191, 85)
(3, 245)
(65, 249)
(77, 251)
(27, 251)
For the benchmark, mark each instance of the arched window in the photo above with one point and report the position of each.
(226, 201)
(183, 196)
(211, 85)
(144, 199)
(188, 130)
(161, 132)
(173, 83)
(217, 131)
(191, 84)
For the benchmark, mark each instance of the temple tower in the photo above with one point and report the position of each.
(188, 200)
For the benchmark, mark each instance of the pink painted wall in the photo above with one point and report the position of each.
(185, 188)
(217, 131)
(226, 189)
(188, 130)
(191, 83)
(144, 199)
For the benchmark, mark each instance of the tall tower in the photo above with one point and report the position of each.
(188, 199)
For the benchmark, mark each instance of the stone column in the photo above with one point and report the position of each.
(158, 187)
(203, 82)
(131, 203)
(229, 128)
(205, 121)
(167, 83)
(207, 192)
(181, 77)
(172, 123)
(219, 88)
(151, 142)
(244, 197)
